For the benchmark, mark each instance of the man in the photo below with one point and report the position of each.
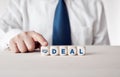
(29, 21)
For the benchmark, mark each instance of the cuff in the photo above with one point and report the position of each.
(4, 41)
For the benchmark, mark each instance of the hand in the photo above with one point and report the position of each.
(26, 41)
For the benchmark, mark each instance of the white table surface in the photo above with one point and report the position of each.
(100, 61)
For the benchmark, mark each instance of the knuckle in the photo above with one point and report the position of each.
(21, 35)
(24, 33)
(18, 37)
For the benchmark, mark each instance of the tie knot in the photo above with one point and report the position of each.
(61, 0)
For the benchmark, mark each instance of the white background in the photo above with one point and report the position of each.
(112, 8)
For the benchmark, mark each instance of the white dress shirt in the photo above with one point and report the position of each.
(87, 19)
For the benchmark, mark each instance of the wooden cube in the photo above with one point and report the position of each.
(81, 50)
(45, 51)
(54, 50)
(72, 51)
(63, 50)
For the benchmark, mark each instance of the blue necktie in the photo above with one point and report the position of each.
(61, 25)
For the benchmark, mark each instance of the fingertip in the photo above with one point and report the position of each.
(45, 44)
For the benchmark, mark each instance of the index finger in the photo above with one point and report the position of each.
(39, 38)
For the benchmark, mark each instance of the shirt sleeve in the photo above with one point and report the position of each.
(10, 23)
(100, 31)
